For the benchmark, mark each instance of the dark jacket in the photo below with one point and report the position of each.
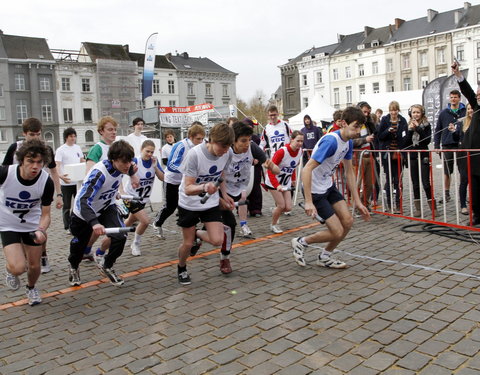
(442, 134)
(471, 138)
(418, 139)
(386, 137)
(311, 135)
(359, 142)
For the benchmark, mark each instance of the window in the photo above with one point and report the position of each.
(424, 81)
(22, 113)
(390, 86)
(19, 81)
(376, 87)
(157, 103)
(389, 65)
(49, 140)
(335, 74)
(361, 70)
(45, 83)
(478, 75)
(87, 115)
(460, 52)
(289, 81)
(478, 50)
(1, 90)
(3, 136)
(208, 89)
(375, 67)
(348, 92)
(319, 77)
(67, 115)
(225, 90)
(85, 84)
(304, 80)
(441, 56)
(191, 102)
(140, 86)
(65, 84)
(89, 136)
(423, 60)
(406, 61)
(171, 103)
(336, 96)
(305, 103)
(190, 89)
(156, 86)
(407, 85)
(348, 72)
(46, 107)
(2, 113)
(361, 89)
(171, 87)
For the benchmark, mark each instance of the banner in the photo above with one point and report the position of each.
(184, 116)
(149, 66)
(432, 100)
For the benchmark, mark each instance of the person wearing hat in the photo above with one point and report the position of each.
(136, 138)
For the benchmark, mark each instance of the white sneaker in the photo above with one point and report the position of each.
(33, 296)
(246, 232)
(12, 281)
(288, 213)
(275, 229)
(330, 262)
(298, 252)
(135, 249)
(45, 268)
(158, 231)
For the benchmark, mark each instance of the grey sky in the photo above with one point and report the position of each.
(249, 37)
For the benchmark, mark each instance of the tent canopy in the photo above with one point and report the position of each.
(318, 109)
(405, 98)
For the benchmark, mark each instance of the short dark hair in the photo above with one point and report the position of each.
(32, 124)
(168, 132)
(241, 129)
(337, 115)
(33, 148)
(121, 150)
(351, 114)
(137, 120)
(222, 134)
(147, 142)
(272, 108)
(67, 132)
(363, 104)
(455, 92)
(295, 134)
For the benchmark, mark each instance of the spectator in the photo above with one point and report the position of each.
(311, 135)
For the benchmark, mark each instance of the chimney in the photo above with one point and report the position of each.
(1, 32)
(457, 15)
(168, 56)
(340, 37)
(431, 14)
(367, 30)
(185, 55)
(466, 6)
(126, 48)
(398, 23)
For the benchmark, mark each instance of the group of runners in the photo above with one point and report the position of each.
(206, 179)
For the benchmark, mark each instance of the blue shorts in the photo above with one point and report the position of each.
(324, 202)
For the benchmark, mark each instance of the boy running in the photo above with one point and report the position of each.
(322, 196)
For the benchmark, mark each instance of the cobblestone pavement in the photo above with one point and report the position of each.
(407, 304)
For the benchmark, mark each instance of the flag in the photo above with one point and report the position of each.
(149, 66)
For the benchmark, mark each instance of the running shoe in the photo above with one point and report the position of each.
(196, 246)
(135, 249)
(246, 232)
(113, 277)
(275, 229)
(158, 231)
(298, 252)
(330, 262)
(184, 278)
(33, 296)
(74, 277)
(12, 281)
(45, 268)
(225, 266)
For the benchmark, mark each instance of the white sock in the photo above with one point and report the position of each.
(223, 257)
(302, 241)
(325, 254)
(138, 239)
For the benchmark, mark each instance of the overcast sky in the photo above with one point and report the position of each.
(249, 37)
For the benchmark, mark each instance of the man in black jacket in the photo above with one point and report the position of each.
(471, 140)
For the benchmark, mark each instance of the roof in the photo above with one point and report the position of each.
(350, 43)
(106, 51)
(23, 47)
(327, 50)
(440, 23)
(161, 61)
(184, 62)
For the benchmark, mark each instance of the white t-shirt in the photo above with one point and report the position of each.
(136, 142)
(66, 154)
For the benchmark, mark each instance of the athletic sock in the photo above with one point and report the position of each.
(181, 269)
(99, 251)
(243, 222)
(137, 239)
(302, 241)
(87, 249)
(224, 256)
(325, 254)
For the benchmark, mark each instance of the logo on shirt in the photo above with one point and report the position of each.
(22, 202)
(212, 176)
(110, 193)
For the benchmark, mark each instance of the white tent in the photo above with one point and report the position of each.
(405, 98)
(318, 109)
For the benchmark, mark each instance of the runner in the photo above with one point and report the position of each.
(148, 168)
(94, 210)
(202, 170)
(322, 196)
(26, 193)
(287, 158)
